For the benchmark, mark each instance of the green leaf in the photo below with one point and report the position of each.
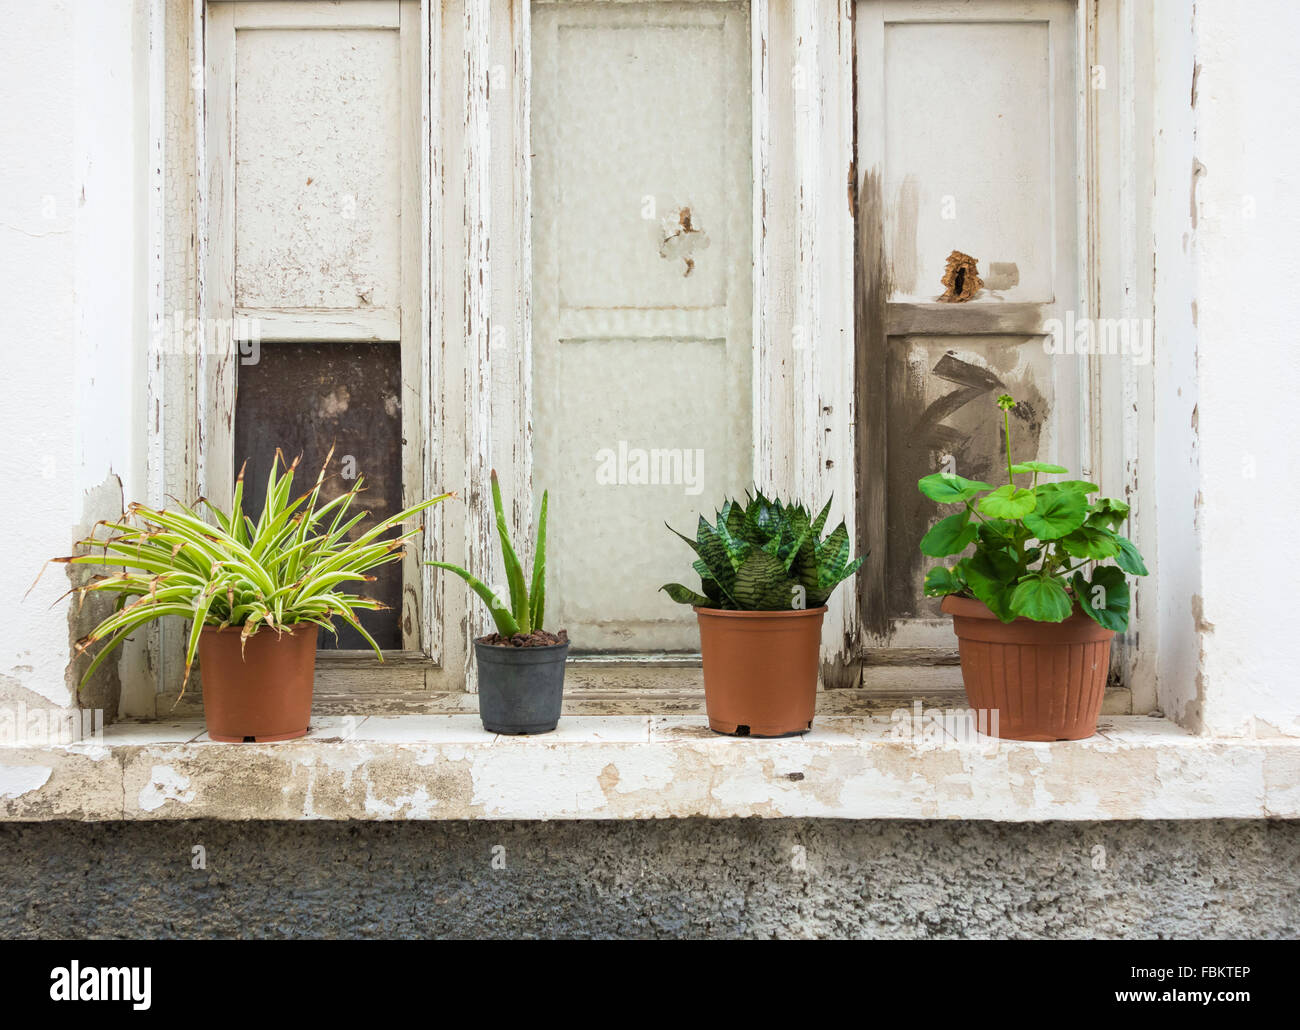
(1059, 511)
(537, 592)
(940, 581)
(685, 595)
(762, 584)
(1128, 558)
(713, 552)
(991, 575)
(1082, 485)
(997, 533)
(1091, 542)
(949, 488)
(1023, 467)
(949, 536)
(1105, 597)
(1108, 512)
(514, 570)
(1041, 598)
(505, 621)
(1008, 502)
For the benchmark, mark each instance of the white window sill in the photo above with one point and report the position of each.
(645, 767)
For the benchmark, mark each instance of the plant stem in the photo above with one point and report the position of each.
(1006, 431)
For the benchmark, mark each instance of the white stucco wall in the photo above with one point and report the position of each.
(1248, 314)
(71, 260)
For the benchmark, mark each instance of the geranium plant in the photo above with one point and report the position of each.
(1042, 550)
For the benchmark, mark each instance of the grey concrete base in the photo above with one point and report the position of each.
(688, 878)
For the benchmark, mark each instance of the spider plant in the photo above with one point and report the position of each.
(289, 566)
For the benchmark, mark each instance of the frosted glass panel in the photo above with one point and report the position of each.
(642, 293)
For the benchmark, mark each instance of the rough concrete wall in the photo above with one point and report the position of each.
(690, 878)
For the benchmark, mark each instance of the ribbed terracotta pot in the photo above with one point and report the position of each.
(760, 670)
(263, 694)
(1045, 680)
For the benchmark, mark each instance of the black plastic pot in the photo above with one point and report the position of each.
(520, 688)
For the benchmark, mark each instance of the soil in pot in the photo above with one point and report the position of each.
(521, 681)
(1044, 680)
(263, 693)
(760, 670)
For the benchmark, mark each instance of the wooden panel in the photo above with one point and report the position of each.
(318, 168)
(941, 415)
(968, 144)
(303, 397)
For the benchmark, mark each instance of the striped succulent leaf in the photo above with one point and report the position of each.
(766, 555)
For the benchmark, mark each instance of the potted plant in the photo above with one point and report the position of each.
(256, 593)
(765, 574)
(1036, 605)
(521, 665)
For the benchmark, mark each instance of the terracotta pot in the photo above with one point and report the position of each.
(1045, 680)
(263, 695)
(760, 670)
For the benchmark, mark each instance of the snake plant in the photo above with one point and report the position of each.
(766, 556)
(287, 567)
(527, 605)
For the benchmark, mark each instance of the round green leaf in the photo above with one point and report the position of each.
(1042, 599)
(990, 576)
(1105, 597)
(1008, 502)
(1082, 485)
(1022, 467)
(1059, 510)
(949, 536)
(939, 582)
(1091, 542)
(949, 488)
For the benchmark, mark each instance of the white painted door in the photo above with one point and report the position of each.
(642, 297)
(967, 141)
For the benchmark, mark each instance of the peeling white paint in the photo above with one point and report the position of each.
(616, 768)
(165, 784)
(17, 780)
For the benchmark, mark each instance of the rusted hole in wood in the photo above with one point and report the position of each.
(961, 278)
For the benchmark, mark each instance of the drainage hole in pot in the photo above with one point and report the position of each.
(250, 740)
(742, 731)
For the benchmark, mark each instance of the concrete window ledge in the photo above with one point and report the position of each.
(645, 767)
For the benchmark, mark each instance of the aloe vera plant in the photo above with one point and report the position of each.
(287, 567)
(766, 556)
(527, 607)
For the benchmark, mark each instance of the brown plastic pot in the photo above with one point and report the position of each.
(1045, 680)
(760, 670)
(263, 694)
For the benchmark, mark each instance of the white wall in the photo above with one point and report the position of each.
(71, 256)
(1248, 317)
